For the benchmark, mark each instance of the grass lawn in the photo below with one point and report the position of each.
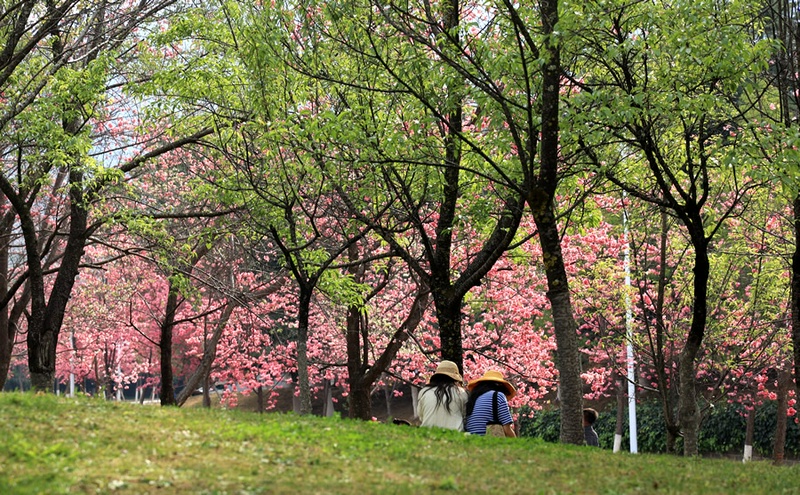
(53, 445)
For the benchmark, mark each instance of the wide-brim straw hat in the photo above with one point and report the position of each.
(449, 368)
(494, 376)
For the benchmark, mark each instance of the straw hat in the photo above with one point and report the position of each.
(449, 368)
(494, 376)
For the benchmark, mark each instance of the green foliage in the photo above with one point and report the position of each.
(651, 431)
(544, 424)
(722, 431)
(764, 434)
(57, 445)
(342, 289)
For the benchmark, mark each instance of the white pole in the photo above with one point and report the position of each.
(629, 335)
(72, 365)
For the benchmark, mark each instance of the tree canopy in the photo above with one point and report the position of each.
(344, 193)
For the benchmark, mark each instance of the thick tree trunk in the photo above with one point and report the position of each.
(541, 198)
(446, 301)
(672, 440)
(567, 359)
(448, 316)
(304, 311)
(688, 413)
(45, 322)
(359, 403)
(39, 361)
(44, 327)
(260, 402)
(359, 400)
(687, 409)
(7, 329)
(779, 447)
(165, 349)
(207, 391)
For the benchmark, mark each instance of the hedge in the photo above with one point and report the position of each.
(722, 431)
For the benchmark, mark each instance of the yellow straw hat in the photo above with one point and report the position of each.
(449, 368)
(494, 376)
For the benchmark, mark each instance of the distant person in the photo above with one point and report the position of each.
(488, 404)
(443, 400)
(589, 418)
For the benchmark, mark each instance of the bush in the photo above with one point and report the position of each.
(721, 433)
(723, 430)
(543, 424)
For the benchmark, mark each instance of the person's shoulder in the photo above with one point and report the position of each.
(484, 400)
(502, 397)
(422, 396)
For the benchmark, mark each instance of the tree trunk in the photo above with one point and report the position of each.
(97, 378)
(203, 371)
(672, 441)
(541, 199)
(260, 402)
(206, 392)
(8, 329)
(622, 402)
(165, 349)
(304, 310)
(567, 359)
(666, 387)
(784, 383)
(687, 409)
(688, 414)
(448, 316)
(45, 322)
(361, 374)
(414, 400)
(448, 304)
(359, 403)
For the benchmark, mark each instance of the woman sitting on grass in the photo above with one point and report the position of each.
(442, 401)
(488, 404)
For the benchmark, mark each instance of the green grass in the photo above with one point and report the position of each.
(54, 445)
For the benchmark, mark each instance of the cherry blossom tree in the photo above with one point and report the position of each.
(477, 123)
(69, 60)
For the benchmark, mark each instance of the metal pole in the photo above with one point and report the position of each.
(629, 337)
(72, 365)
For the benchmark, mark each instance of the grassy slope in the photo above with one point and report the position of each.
(54, 445)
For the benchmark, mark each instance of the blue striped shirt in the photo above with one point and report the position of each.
(482, 413)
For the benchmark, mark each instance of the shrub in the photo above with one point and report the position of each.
(722, 431)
